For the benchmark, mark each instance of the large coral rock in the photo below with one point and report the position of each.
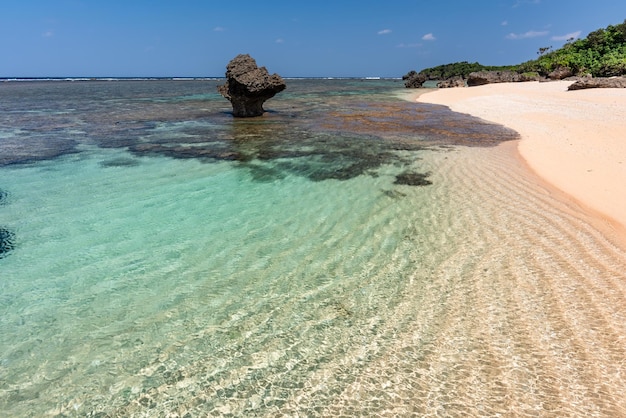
(480, 78)
(560, 73)
(451, 82)
(413, 80)
(248, 86)
(599, 82)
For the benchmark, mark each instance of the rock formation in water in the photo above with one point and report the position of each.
(248, 86)
(413, 80)
(599, 82)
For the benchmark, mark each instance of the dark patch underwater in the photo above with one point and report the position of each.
(7, 239)
(319, 129)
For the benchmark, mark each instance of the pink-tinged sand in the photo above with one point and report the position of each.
(576, 140)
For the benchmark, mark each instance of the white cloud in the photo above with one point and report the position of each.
(429, 37)
(280, 41)
(48, 34)
(384, 32)
(218, 29)
(504, 23)
(567, 36)
(527, 35)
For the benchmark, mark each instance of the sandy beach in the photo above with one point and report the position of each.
(575, 140)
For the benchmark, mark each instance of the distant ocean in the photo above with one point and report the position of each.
(348, 253)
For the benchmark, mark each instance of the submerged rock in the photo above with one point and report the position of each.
(120, 162)
(413, 179)
(248, 86)
(6, 241)
(31, 146)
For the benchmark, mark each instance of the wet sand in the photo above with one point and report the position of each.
(576, 140)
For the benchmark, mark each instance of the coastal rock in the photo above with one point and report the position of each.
(457, 81)
(248, 86)
(599, 82)
(480, 78)
(413, 80)
(560, 73)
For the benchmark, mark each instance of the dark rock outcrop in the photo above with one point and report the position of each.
(31, 146)
(409, 178)
(457, 81)
(248, 86)
(480, 78)
(6, 242)
(413, 80)
(560, 73)
(599, 82)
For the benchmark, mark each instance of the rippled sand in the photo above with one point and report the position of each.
(502, 300)
(524, 319)
(183, 291)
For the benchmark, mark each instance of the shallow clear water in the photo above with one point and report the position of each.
(167, 259)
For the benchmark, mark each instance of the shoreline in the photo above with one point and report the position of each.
(574, 140)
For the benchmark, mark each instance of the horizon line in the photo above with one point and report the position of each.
(104, 78)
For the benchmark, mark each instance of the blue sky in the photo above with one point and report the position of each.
(189, 38)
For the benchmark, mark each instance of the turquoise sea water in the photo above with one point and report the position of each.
(349, 253)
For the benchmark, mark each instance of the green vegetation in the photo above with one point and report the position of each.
(602, 54)
(462, 69)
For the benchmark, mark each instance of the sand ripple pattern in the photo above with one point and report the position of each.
(503, 302)
(498, 299)
(523, 320)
